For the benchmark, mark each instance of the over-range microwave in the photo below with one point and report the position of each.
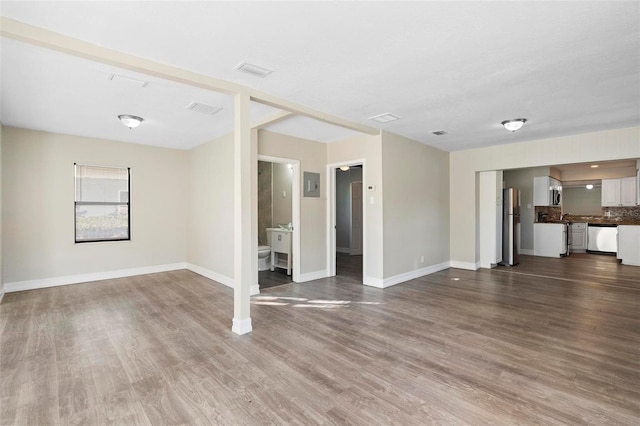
(555, 197)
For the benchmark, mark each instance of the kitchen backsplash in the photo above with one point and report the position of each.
(622, 212)
(547, 214)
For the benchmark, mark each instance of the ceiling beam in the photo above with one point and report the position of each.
(276, 102)
(59, 42)
(272, 119)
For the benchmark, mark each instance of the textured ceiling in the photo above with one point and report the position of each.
(462, 67)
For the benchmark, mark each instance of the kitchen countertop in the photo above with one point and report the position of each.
(613, 220)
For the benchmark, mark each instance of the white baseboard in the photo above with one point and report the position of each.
(400, 278)
(465, 265)
(373, 282)
(84, 278)
(310, 276)
(214, 276)
(242, 326)
(346, 250)
(526, 252)
(219, 278)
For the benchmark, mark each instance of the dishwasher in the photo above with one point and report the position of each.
(602, 238)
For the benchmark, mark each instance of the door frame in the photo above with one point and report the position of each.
(295, 208)
(331, 215)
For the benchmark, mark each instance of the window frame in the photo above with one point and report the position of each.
(77, 203)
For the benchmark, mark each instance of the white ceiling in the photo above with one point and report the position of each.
(463, 67)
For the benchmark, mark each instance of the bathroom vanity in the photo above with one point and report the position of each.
(280, 241)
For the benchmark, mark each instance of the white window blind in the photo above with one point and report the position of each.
(102, 203)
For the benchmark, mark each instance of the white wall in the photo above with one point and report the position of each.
(582, 201)
(609, 145)
(416, 205)
(490, 217)
(210, 220)
(38, 198)
(313, 211)
(1, 224)
(368, 148)
(343, 206)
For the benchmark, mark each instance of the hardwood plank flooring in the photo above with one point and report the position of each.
(349, 267)
(550, 341)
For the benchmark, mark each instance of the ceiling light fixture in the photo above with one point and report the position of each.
(589, 186)
(594, 166)
(384, 118)
(130, 121)
(515, 124)
(253, 70)
(344, 168)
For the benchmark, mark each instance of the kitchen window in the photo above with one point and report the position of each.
(102, 203)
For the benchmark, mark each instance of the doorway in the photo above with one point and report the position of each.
(278, 210)
(347, 221)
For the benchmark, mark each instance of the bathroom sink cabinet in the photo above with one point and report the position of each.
(280, 243)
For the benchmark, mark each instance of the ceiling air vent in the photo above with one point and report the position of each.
(203, 108)
(384, 118)
(253, 70)
(439, 132)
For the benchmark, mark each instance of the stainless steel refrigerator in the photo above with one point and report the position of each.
(510, 222)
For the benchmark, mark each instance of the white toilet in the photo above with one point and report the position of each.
(264, 258)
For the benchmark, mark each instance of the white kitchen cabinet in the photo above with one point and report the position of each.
(549, 239)
(619, 192)
(629, 244)
(578, 237)
(628, 191)
(542, 187)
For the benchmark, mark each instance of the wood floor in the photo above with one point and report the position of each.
(551, 341)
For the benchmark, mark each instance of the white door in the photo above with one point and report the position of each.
(356, 219)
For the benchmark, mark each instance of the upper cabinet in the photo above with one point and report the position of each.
(619, 192)
(544, 188)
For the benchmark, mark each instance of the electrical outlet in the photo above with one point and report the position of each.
(421, 259)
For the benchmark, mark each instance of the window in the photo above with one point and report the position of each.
(102, 204)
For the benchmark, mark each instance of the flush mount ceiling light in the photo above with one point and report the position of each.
(130, 121)
(253, 70)
(344, 168)
(589, 186)
(594, 166)
(384, 118)
(515, 124)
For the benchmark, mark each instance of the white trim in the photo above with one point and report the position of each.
(373, 282)
(465, 265)
(214, 276)
(526, 252)
(310, 276)
(84, 278)
(219, 278)
(346, 250)
(241, 326)
(407, 276)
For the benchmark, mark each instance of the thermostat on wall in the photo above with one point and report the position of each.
(371, 187)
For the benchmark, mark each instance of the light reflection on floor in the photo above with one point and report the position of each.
(300, 302)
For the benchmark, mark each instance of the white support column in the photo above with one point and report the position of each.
(242, 215)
